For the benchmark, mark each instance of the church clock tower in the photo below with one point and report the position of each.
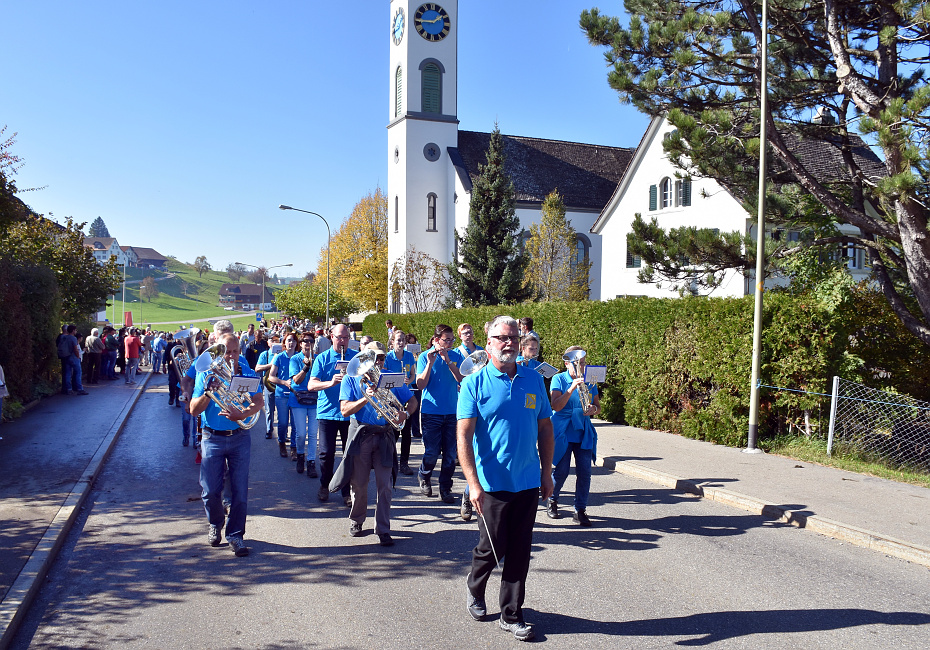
(422, 126)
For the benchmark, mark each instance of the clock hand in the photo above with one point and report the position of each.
(434, 20)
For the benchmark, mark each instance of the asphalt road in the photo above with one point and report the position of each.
(658, 569)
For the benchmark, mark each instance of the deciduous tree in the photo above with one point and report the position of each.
(860, 66)
(490, 266)
(308, 300)
(235, 271)
(201, 265)
(554, 271)
(148, 289)
(419, 282)
(258, 276)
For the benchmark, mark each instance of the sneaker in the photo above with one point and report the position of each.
(405, 470)
(425, 488)
(282, 449)
(552, 509)
(347, 500)
(323, 493)
(477, 608)
(355, 529)
(581, 517)
(300, 463)
(446, 496)
(82, 392)
(311, 469)
(466, 508)
(521, 631)
(237, 545)
(385, 539)
(213, 535)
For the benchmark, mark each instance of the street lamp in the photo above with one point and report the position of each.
(328, 242)
(277, 266)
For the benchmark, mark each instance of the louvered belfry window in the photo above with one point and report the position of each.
(398, 92)
(432, 89)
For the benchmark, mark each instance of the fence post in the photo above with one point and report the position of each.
(833, 400)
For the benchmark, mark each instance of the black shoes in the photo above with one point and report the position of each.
(293, 453)
(237, 545)
(282, 449)
(311, 469)
(552, 510)
(521, 631)
(446, 496)
(405, 470)
(81, 392)
(323, 493)
(425, 488)
(300, 463)
(477, 609)
(213, 535)
(385, 539)
(466, 508)
(355, 529)
(268, 435)
(581, 517)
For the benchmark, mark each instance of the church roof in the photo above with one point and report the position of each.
(584, 174)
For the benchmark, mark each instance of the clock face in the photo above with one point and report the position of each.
(397, 26)
(432, 22)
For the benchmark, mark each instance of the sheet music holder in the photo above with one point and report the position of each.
(414, 348)
(244, 385)
(354, 345)
(391, 380)
(546, 370)
(342, 365)
(595, 374)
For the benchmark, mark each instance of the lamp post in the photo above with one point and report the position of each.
(328, 243)
(140, 303)
(277, 266)
(124, 293)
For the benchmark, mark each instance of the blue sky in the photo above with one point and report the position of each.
(174, 119)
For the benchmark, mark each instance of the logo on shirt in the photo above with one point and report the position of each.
(531, 401)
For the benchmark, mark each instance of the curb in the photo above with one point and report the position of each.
(27, 584)
(852, 534)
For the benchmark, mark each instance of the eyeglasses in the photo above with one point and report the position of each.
(452, 340)
(505, 339)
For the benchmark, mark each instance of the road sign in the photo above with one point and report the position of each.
(258, 317)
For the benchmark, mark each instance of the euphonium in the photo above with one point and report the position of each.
(185, 353)
(213, 362)
(384, 401)
(474, 362)
(573, 358)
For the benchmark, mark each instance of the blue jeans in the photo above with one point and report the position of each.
(71, 374)
(218, 452)
(269, 411)
(156, 364)
(303, 419)
(109, 364)
(439, 437)
(284, 416)
(186, 424)
(582, 474)
(132, 366)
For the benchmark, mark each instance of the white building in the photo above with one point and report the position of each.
(104, 248)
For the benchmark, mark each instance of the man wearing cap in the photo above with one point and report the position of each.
(370, 447)
(225, 445)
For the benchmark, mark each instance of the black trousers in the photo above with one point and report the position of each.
(507, 522)
(327, 440)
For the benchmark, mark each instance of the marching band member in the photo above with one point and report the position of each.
(467, 336)
(574, 434)
(400, 360)
(302, 403)
(370, 447)
(263, 368)
(529, 350)
(280, 374)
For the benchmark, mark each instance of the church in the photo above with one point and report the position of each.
(432, 165)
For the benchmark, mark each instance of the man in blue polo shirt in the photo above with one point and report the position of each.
(503, 418)
(371, 447)
(225, 445)
(438, 376)
(325, 379)
(400, 360)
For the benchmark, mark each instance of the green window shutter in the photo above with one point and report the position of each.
(432, 89)
(686, 191)
(653, 197)
(398, 92)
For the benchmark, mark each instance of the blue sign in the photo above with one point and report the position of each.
(258, 317)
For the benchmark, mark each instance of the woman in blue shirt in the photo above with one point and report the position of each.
(574, 434)
(399, 360)
(302, 404)
(280, 376)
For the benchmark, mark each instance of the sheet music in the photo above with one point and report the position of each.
(391, 380)
(414, 348)
(354, 345)
(342, 365)
(595, 374)
(244, 384)
(547, 370)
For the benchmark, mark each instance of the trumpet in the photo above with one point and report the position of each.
(573, 358)
(213, 362)
(184, 354)
(383, 401)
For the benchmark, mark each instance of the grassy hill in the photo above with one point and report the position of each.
(176, 303)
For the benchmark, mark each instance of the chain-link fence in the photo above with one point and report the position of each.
(874, 424)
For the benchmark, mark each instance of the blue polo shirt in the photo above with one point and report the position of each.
(442, 391)
(324, 369)
(507, 428)
(464, 351)
(350, 390)
(262, 360)
(532, 364)
(562, 419)
(212, 417)
(405, 365)
(297, 364)
(282, 362)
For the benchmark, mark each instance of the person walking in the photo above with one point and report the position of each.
(133, 345)
(302, 404)
(280, 375)
(399, 360)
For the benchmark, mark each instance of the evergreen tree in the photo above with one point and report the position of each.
(98, 228)
(490, 265)
(554, 272)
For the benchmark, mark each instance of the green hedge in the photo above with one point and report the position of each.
(683, 365)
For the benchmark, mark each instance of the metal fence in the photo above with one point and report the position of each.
(875, 424)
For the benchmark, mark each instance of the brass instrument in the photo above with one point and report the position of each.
(213, 362)
(474, 362)
(184, 354)
(384, 401)
(584, 394)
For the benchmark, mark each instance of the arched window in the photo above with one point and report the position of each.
(398, 92)
(396, 214)
(667, 193)
(582, 250)
(431, 88)
(431, 212)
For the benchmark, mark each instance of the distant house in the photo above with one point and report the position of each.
(131, 258)
(104, 248)
(148, 258)
(246, 297)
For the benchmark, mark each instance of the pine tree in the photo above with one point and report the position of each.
(554, 273)
(98, 228)
(490, 265)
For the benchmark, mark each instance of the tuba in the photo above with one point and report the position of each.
(474, 362)
(185, 352)
(572, 358)
(384, 401)
(213, 362)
